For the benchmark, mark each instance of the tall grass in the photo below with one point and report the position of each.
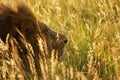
(93, 31)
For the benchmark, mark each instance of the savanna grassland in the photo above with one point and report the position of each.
(93, 31)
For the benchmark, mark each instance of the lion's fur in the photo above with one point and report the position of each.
(14, 16)
(28, 40)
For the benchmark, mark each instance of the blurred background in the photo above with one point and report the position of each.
(93, 31)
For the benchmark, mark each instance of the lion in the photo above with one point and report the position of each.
(28, 39)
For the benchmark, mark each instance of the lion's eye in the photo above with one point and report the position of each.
(52, 34)
(46, 31)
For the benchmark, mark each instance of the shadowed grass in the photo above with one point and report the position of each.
(93, 30)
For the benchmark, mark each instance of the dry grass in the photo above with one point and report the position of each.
(93, 30)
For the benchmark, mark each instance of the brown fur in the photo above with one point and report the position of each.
(23, 29)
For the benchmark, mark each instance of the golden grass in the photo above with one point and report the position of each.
(93, 30)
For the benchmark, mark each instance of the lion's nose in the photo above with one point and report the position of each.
(65, 40)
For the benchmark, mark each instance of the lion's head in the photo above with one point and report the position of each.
(19, 20)
(54, 40)
(28, 39)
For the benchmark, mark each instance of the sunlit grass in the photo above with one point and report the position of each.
(93, 31)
